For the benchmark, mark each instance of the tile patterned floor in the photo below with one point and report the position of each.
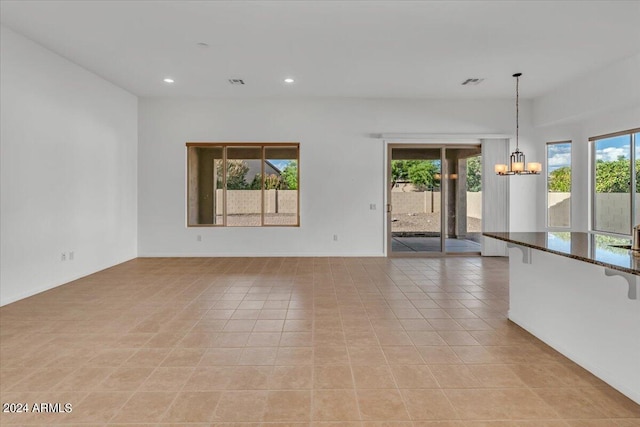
(333, 342)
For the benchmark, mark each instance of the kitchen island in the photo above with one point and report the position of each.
(579, 293)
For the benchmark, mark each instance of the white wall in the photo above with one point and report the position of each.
(338, 155)
(598, 103)
(68, 176)
(599, 92)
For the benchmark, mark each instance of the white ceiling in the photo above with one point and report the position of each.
(333, 48)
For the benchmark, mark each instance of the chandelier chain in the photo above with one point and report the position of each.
(517, 111)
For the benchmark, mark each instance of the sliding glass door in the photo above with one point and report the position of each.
(463, 204)
(434, 199)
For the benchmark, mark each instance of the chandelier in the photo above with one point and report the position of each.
(517, 160)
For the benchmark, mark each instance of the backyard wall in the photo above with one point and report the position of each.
(248, 201)
(474, 204)
(415, 202)
(613, 212)
(559, 212)
(427, 202)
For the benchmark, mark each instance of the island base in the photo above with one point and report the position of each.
(589, 317)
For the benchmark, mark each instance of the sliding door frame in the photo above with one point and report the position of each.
(444, 188)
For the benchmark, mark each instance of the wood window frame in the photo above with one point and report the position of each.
(224, 145)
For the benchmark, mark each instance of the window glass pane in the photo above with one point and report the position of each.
(281, 186)
(235, 184)
(204, 190)
(474, 198)
(612, 204)
(415, 198)
(243, 198)
(559, 184)
(463, 223)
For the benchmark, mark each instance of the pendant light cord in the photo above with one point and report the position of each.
(517, 110)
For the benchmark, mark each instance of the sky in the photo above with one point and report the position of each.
(558, 155)
(609, 149)
(280, 164)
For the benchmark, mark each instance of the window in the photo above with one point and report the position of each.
(243, 184)
(614, 197)
(559, 184)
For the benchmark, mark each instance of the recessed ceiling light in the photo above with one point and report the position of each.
(289, 80)
(168, 80)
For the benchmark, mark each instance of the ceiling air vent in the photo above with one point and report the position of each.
(472, 82)
(236, 81)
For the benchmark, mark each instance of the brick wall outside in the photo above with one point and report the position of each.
(248, 201)
(612, 208)
(427, 202)
(612, 212)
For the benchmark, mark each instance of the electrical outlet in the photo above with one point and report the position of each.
(63, 257)
(372, 206)
(199, 238)
(71, 255)
(335, 237)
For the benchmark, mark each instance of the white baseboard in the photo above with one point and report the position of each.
(258, 255)
(49, 286)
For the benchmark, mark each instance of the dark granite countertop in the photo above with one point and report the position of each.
(593, 248)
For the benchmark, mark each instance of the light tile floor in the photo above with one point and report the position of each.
(333, 342)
